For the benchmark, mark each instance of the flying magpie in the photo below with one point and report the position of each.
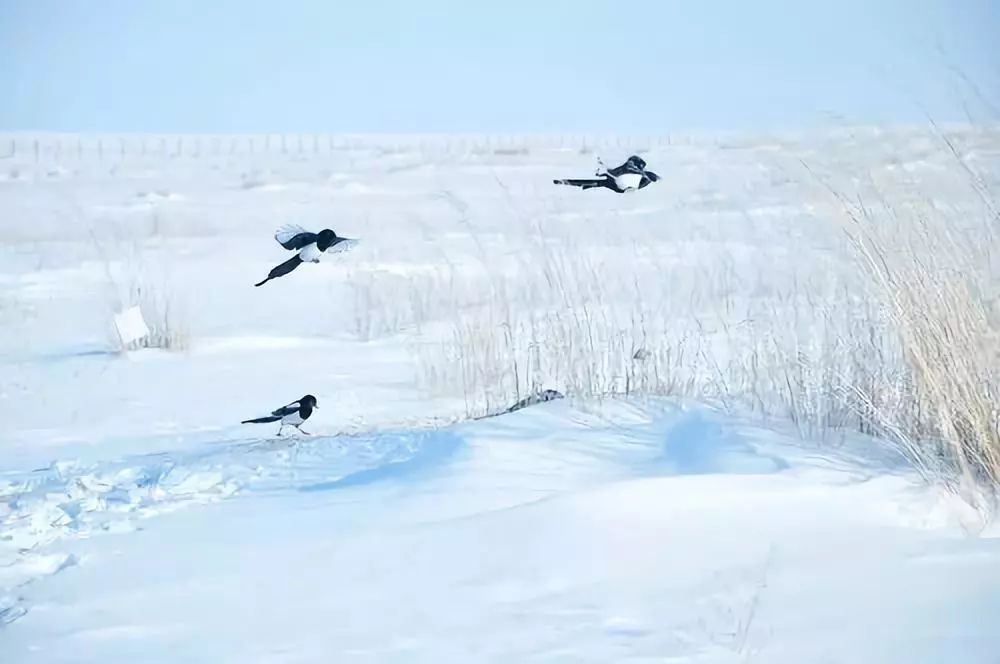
(309, 247)
(630, 176)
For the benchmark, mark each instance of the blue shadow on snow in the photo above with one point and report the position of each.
(698, 445)
(432, 451)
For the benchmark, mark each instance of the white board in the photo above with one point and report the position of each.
(131, 326)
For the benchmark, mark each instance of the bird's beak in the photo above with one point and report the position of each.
(316, 406)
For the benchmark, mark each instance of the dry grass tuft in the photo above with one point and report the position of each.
(938, 285)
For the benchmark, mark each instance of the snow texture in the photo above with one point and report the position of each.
(140, 522)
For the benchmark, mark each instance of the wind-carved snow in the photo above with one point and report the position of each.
(75, 500)
(555, 526)
(79, 500)
(560, 515)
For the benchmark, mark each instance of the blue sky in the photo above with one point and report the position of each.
(437, 66)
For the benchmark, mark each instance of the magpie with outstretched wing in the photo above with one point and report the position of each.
(309, 247)
(629, 176)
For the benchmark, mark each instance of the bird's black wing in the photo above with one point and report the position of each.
(291, 236)
(627, 167)
(287, 410)
(618, 170)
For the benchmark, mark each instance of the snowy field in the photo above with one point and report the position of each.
(700, 496)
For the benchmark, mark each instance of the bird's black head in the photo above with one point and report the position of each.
(308, 400)
(638, 162)
(326, 239)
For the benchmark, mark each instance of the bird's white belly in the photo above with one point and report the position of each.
(310, 252)
(294, 419)
(628, 180)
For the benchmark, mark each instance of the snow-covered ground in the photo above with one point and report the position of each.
(139, 522)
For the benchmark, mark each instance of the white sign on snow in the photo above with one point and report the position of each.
(131, 326)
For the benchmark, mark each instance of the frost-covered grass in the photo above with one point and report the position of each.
(137, 277)
(938, 281)
(908, 349)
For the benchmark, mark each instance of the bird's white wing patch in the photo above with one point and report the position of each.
(345, 245)
(629, 180)
(287, 232)
(310, 252)
(293, 419)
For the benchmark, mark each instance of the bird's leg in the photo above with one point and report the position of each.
(280, 427)
(301, 430)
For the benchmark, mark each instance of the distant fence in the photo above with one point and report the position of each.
(69, 147)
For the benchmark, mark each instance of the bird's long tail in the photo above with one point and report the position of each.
(282, 269)
(262, 420)
(584, 183)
